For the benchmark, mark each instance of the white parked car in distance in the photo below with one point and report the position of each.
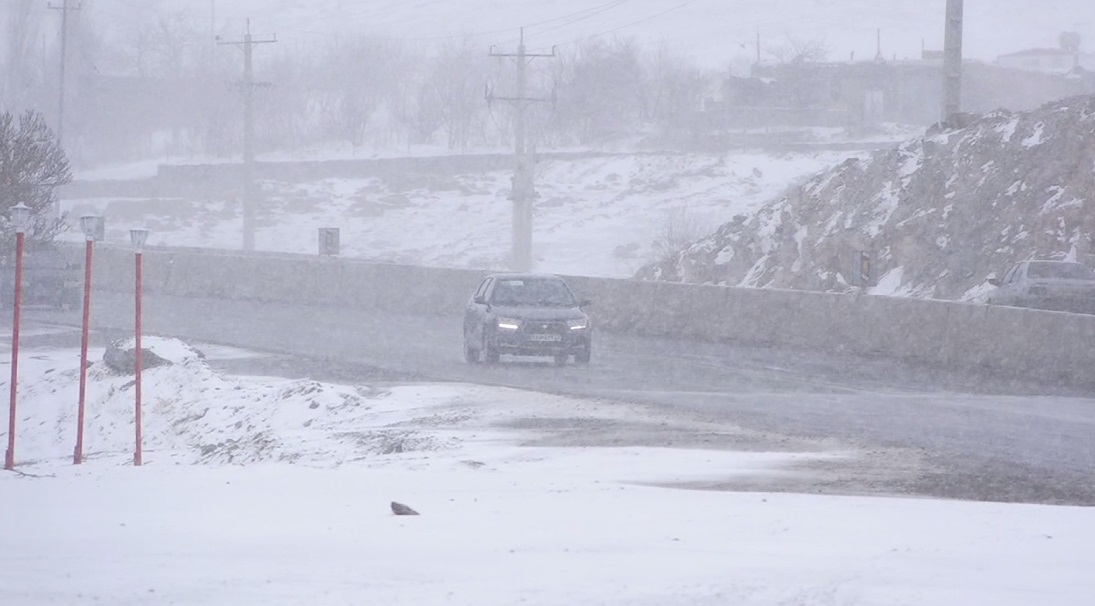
(1052, 285)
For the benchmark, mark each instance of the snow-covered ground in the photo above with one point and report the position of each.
(270, 491)
(601, 216)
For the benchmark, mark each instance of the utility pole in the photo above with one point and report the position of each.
(247, 87)
(523, 191)
(952, 60)
(65, 9)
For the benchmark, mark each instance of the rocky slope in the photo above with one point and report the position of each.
(938, 214)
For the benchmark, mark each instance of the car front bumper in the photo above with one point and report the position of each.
(526, 343)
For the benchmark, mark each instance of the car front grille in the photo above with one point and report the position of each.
(544, 327)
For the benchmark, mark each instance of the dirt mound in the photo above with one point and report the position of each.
(937, 215)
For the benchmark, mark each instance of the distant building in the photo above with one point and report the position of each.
(932, 56)
(1047, 60)
(867, 94)
(807, 94)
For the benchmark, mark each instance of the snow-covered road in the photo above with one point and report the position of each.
(934, 432)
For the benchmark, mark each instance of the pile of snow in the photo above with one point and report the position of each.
(193, 414)
(172, 351)
(941, 213)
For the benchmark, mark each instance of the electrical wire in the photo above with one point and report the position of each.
(554, 23)
(568, 18)
(640, 21)
(604, 8)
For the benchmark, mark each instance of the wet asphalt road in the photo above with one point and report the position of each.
(974, 437)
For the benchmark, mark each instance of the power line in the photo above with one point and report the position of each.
(568, 18)
(594, 9)
(641, 21)
(605, 9)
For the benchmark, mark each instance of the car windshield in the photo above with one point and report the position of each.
(1060, 271)
(544, 292)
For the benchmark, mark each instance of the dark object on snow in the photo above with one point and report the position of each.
(400, 509)
(124, 361)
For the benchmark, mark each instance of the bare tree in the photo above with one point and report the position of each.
(32, 166)
(456, 77)
(354, 82)
(674, 88)
(160, 44)
(281, 104)
(601, 97)
(800, 50)
(416, 103)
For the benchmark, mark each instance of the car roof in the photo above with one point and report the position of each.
(524, 276)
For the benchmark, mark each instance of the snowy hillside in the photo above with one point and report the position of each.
(941, 212)
(599, 216)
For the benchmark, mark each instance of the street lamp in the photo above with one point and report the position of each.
(91, 225)
(137, 237)
(20, 218)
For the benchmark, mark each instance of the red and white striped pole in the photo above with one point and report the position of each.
(137, 237)
(20, 217)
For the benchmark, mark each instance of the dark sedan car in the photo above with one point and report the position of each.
(526, 315)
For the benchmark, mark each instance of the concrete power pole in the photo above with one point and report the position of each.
(247, 87)
(65, 9)
(952, 60)
(523, 191)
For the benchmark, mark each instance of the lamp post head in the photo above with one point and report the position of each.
(138, 237)
(92, 226)
(20, 217)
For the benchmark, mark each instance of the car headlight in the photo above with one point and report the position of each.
(509, 323)
(579, 324)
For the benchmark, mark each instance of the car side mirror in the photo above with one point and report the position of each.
(994, 281)
(480, 299)
(585, 303)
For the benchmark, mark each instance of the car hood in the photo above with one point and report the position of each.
(538, 313)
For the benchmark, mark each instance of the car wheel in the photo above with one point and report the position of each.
(471, 354)
(489, 353)
(561, 359)
(582, 357)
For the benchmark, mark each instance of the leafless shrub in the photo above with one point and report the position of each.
(676, 233)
